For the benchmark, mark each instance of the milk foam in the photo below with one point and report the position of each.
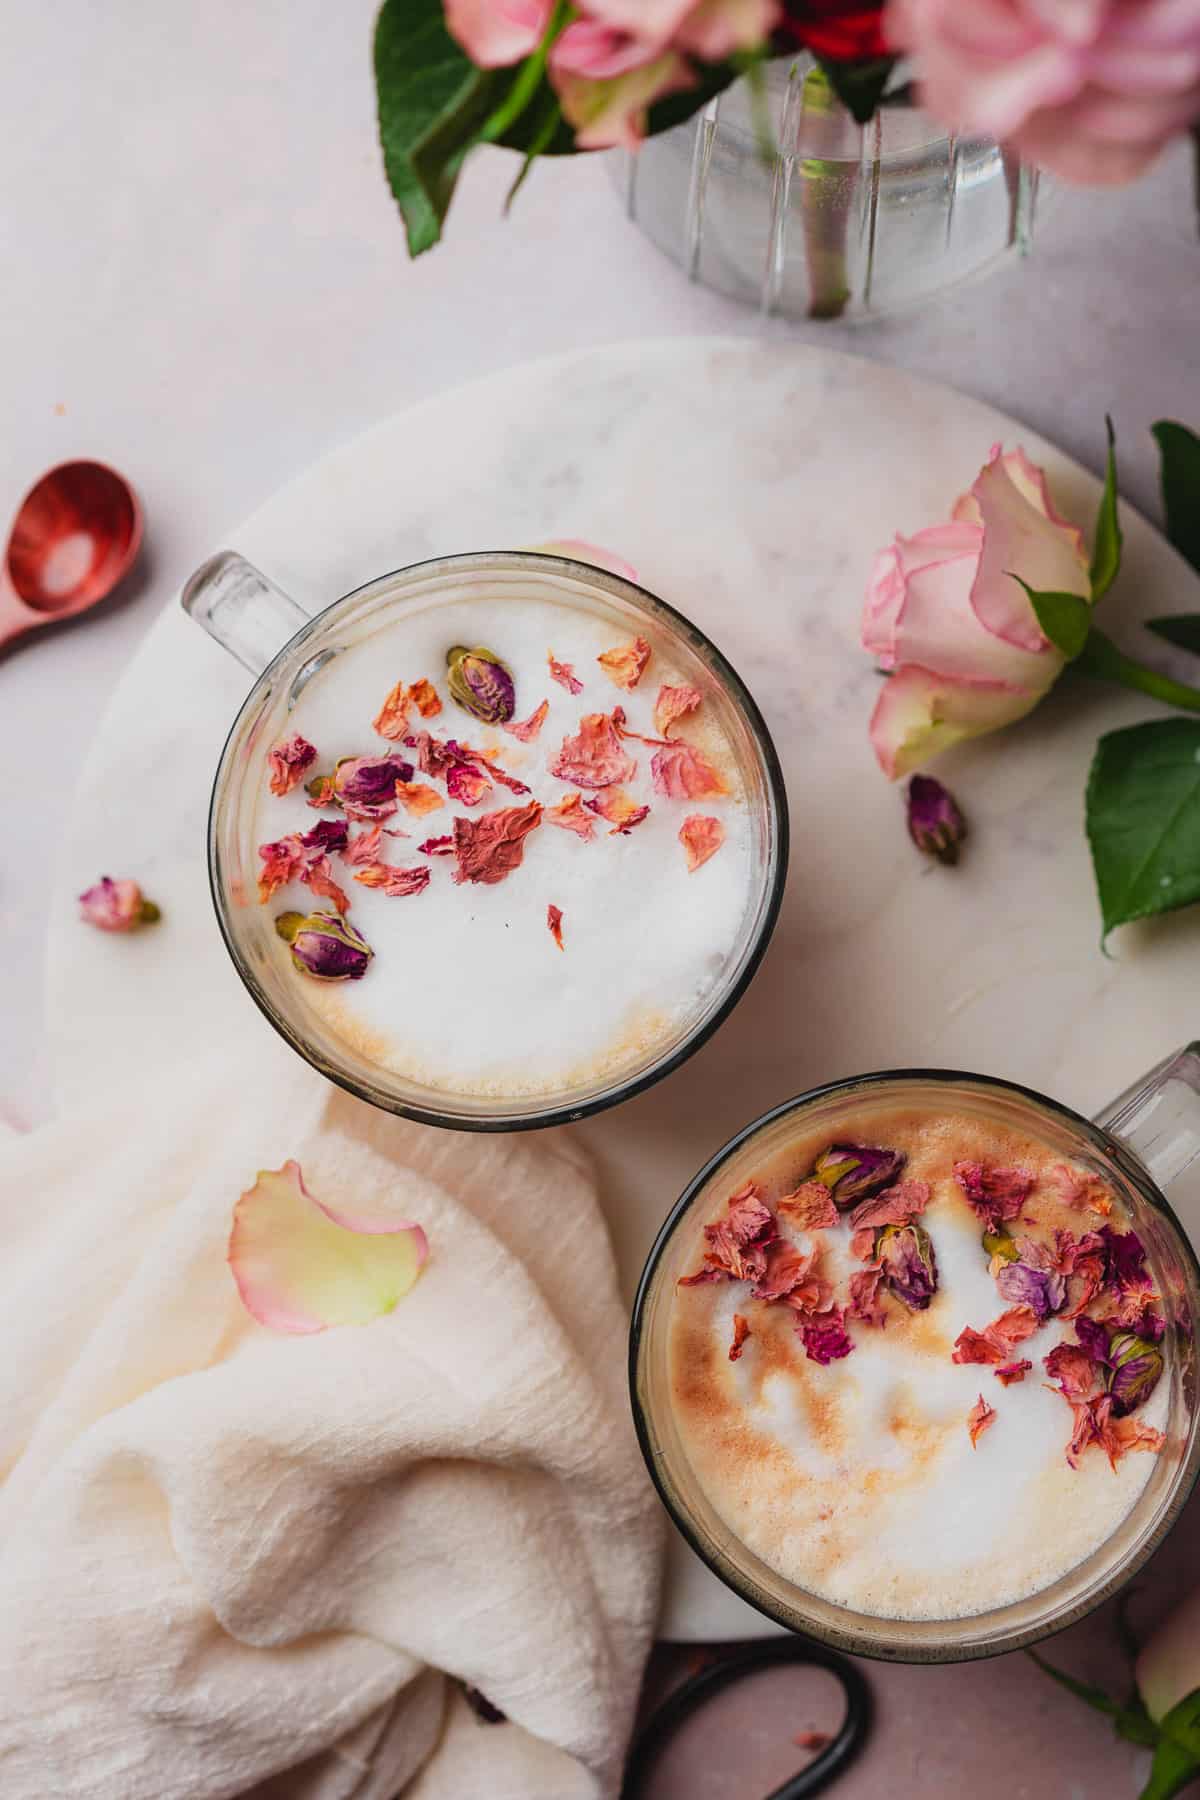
(858, 1481)
(467, 991)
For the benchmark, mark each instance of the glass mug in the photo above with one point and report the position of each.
(283, 647)
(1146, 1144)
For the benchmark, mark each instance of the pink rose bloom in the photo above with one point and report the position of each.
(606, 79)
(944, 614)
(116, 906)
(495, 33)
(709, 29)
(1089, 89)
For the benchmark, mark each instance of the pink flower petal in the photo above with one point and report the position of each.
(1019, 538)
(497, 33)
(301, 1264)
(920, 714)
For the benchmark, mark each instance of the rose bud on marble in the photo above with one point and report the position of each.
(325, 946)
(853, 1172)
(481, 684)
(117, 906)
(935, 824)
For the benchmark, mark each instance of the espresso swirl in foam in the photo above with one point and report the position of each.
(858, 1480)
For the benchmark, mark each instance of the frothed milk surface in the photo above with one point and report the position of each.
(857, 1481)
(467, 990)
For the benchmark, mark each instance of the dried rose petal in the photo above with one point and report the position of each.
(1007, 1373)
(364, 847)
(570, 815)
(288, 763)
(466, 785)
(738, 1243)
(320, 791)
(810, 1208)
(1118, 1436)
(862, 1244)
(682, 772)
(1125, 1260)
(328, 836)
(979, 1418)
(621, 811)
(319, 877)
(935, 824)
(490, 848)
(282, 861)
(741, 1331)
(853, 1172)
(481, 684)
(1136, 1368)
(1093, 1336)
(784, 1270)
(437, 846)
(674, 703)
(906, 1255)
(825, 1339)
(994, 1194)
(997, 1341)
(596, 758)
(865, 1303)
(895, 1206)
(424, 697)
(418, 798)
(1046, 1293)
(116, 906)
(304, 858)
(391, 721)
(1077, 1374)
(301, 1264)
(1137, 1311)
(626, 664)
(1087, 1277)
(365, 786)
(554, 920)
(391, 880)
(325, 946)
(529, 728)
(564, 674)
(701, 838)
(1081, 1189)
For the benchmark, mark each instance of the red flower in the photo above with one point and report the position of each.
(840, 30)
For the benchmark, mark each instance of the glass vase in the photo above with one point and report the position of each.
(782, 200)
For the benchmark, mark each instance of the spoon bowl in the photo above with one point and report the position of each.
(76, 535)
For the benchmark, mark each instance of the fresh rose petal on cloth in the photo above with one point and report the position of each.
(626, 664)
(116, 906)
(301, 1264)
(596, 758)
(701, 838)
(289, 762)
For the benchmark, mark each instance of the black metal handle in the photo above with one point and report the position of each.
(692, 1694)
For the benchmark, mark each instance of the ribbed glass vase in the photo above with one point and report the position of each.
(819, 217)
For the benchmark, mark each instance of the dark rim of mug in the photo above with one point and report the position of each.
(847, 1640)
(559, 1114)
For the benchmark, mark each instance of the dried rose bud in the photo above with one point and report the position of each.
(482, 684)
(117, 906)
(366, 785)
(1136, 1367)
(325, 946)
(935, 824)
(905, 1253)
(853, 1172)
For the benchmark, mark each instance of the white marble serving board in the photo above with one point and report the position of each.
(749, 485)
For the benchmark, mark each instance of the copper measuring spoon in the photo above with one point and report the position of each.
(76, 535)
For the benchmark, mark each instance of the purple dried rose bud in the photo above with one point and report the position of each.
(1040, 1289)
(909, 1264)
(853, 1172)
(1136, 1367)
(366, 785)
(482, 684)
(935, 824)
(325, 945)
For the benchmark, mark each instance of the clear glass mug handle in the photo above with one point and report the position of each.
(237, 605)
(1158, 1119)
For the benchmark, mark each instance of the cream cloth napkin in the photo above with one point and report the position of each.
(234, 1562)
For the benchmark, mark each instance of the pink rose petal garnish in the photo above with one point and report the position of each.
(810, 1208)
(301, 1264)
(424, 697)
(596, 758)
(865, 1303)
(364, 847)
(682, 772)
(391, 721)
(490, 848)
(564, 674)
(319, 877)
(437, 846)
(289, 762)
(701, 838)
(994, 1194)
(418, 798)
(554, 920)
(570, 815)
(1082, 1190)
(116, 906)
(1007, 1373)
(979, 1418)
(896, 1205)
(529, 728)
(619, 808)
(825, 1338)
(741, 1331)
(673, 703)
(997, 1341)
(626, 664)
(391, 880)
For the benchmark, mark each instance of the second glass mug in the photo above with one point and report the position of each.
(1146, 1144)
(284, 647)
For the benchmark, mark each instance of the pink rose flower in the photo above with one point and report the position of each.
(958, 634)
(709, 29)
(116, 906)
(606, 79)
(495, 33)
(1089, 89)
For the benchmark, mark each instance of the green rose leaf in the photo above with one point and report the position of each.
(1066, 619)
(1143, 819)
(1179, 472)
(1181, 629)
(1106, 552)
(1177, 1758)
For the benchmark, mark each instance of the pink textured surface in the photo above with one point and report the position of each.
(994, 1730)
